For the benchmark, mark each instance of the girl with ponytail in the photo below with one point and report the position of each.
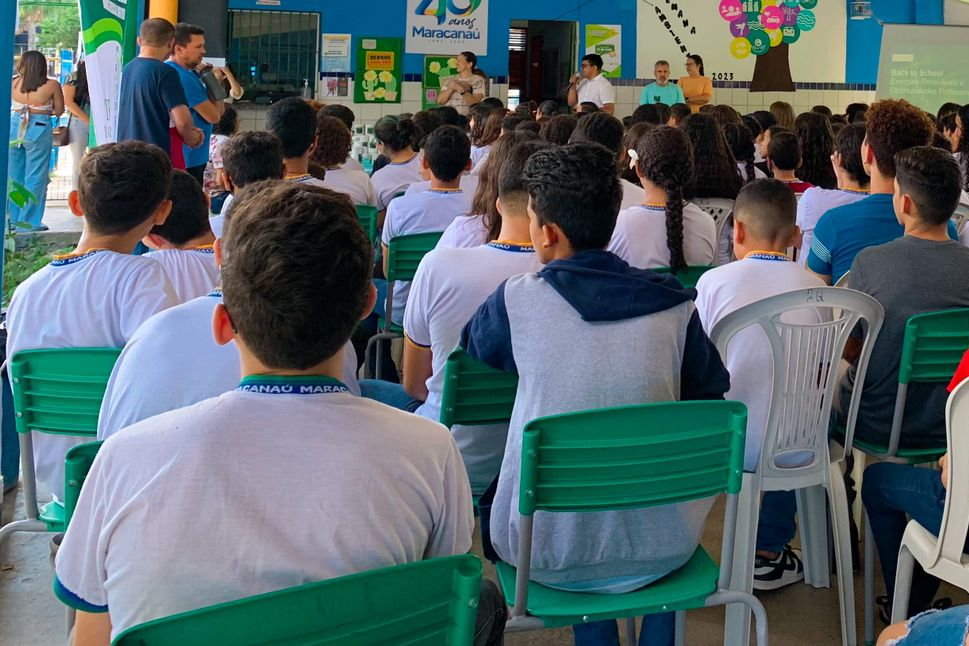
(664, 231)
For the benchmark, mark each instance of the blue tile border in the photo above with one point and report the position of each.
(408, 78)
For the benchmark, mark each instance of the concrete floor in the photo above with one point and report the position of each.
(797, 615)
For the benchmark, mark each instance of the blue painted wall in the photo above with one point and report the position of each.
(388, 18)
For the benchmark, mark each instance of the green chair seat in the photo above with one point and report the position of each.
(367, 216)
(912, 456)
(685, 589)
(52, 514)
(394, 328)
(689, 276)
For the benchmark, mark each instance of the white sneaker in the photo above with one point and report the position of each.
(772, 574)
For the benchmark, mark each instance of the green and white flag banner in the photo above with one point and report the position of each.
(108, 30)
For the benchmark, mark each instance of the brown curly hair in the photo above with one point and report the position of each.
(666, 159)
(333, 142)
(894, 125)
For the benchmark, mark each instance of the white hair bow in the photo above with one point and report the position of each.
(633, 158)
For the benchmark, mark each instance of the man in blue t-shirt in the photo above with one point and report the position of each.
(662, 91)
(187, 55)
(892, 126)
(152, 97)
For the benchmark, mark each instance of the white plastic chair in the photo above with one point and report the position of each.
(720, 209)
(805, 360)
(941, 556)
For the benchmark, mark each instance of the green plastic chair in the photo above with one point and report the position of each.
(77, 465)
(932, 348)
(429, 602)
(58, 392)
(404, 254)
(367, 215)
(689, 276)
(630, 457)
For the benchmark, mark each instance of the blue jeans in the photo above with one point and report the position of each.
(389, 393)
(30, 166)
(777, 526)
(889, 493)
(657, 630)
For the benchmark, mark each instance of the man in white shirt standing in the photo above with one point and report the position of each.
(591, 86)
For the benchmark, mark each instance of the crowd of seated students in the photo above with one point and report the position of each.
(552, 225)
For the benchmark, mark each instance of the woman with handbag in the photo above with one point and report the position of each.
(36, 100)
(77, 100)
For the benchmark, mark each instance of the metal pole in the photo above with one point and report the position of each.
(8, 20)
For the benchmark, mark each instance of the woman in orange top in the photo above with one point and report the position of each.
(697, 88)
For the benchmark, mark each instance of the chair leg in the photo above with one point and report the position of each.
(28, 525)
(869, 584)
(737, 625)
(680, 634)
(751, 603)
(838, 501)
(813, 526)
(903, 584)
(857, 509)
(631, 631)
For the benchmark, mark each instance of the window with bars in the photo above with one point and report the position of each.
(517, 39)
(273, 53)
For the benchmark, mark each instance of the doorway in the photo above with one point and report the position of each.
(543, 55)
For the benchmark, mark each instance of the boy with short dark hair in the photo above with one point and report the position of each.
(447, 154)
(764, 228)
(293, 120)
(183, 245)
(388, 487)
(98, 295)
(923, 271)
(247, 158)
(605, 129)
(611, 323)
(784, 158)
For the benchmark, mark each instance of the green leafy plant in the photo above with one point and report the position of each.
(20, 264)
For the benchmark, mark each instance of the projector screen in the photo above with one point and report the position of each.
(924, 64)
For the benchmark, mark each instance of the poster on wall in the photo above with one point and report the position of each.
(437, 71)
(606, 41)
(770, 43)
(450, 26)
(378, 75)
(336, 53)
(108, 31)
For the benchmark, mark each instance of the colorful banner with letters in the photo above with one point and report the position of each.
(447, 26)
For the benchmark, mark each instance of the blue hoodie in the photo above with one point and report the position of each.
(592, 332)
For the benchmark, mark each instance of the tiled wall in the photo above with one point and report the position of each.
(627, 99)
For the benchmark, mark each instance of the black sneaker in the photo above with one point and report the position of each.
(772, 574)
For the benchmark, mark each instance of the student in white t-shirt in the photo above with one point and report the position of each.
(333, 143)
(100, 294)
(590, 86)
(344, 114)
(248, 157)
(485, 129)
(371, 487)
(664, 231)
(853, 186)
(764, 228)
(293, 120)
(450, 286)
(178, 346)
(395, 139)
(603, 128)
(446, 156)
(183, 245)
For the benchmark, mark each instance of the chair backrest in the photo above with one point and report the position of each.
(474, 393)
(960, 217)
(367, 215)
(718, 207)
(77, 464)
(60, 391)
(429, 602)
(404, 254)
(933, 346)
(843, 281)
(955, 515)
(689, 276)
(632, 457)
(805, 359)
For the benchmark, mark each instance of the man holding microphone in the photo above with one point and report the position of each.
(591, 86)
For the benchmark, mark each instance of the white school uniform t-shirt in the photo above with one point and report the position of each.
(726, 289)
(193, 272)
(464, 232)
(758, 173)
(814, 203)
(449, 287)
(173, 361)
(632, 195)
(640, 237)
(469, 184)
(352, 164)
(252, 492)
(395, 178)
(479, 155)
(354, 183)
(425, 212)
(94, 300)
(597, 90)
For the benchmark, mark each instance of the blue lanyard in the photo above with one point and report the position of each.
(291, 385)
